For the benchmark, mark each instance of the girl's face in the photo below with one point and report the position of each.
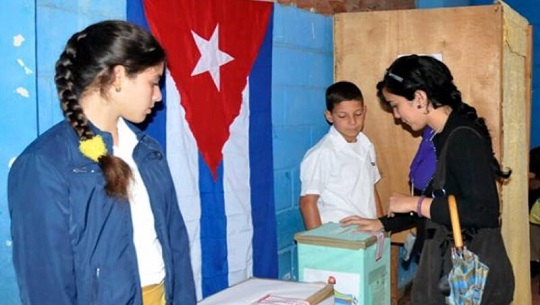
(411, 113)
(139, 94)
(348, 118)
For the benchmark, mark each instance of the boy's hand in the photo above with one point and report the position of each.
(364, 224)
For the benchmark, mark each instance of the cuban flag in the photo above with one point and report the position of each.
(216, 130)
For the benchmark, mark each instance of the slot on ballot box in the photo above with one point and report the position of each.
(357, 263)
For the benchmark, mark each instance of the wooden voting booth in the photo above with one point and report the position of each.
(488, 50)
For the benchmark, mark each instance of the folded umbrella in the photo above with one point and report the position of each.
(468, 275)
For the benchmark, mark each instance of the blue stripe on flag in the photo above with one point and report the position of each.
(213, 222)
(260, 148)
(213, 230)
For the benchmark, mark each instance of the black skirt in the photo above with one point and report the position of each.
(435, 262)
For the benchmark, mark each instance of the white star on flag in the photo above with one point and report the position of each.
(212, 58)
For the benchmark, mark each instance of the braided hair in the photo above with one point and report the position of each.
(408, 74)
(87, 63)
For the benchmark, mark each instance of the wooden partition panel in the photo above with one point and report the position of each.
(367, 43)
(487, 48)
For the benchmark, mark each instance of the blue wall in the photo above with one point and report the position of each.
(33, 33)
(17, 108)
(302, 68)
(442, 3)
(57, 20)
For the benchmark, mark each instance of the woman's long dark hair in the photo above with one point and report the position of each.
(87, 62)
(407, 74)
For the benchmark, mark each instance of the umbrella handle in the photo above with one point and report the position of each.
(454, 217)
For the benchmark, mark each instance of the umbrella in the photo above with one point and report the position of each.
(467, 278)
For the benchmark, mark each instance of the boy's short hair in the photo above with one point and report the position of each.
(342, 91)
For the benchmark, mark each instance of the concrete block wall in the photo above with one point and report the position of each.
(442, 3)
(17, 108)
(302, 68)
(33, 34)
(57, 20)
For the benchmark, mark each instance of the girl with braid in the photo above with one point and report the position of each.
(94, 216)
(419, 91)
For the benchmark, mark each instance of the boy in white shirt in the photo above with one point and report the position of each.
(338, 174)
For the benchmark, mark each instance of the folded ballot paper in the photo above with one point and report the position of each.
(256, 291)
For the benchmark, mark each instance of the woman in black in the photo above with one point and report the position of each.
(419, 90)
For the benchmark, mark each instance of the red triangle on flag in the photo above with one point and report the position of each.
(211, 47)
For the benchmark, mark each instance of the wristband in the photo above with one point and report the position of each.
(419, 206)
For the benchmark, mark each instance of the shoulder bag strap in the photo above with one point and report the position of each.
(440, 173)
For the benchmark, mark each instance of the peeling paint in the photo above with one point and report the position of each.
(11, 161)
(21, 63)
(22, 92)
(18, 40)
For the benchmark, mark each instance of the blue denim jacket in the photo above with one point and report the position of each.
(73, 244)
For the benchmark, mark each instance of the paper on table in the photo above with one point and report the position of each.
(278, 300)
(253, 289)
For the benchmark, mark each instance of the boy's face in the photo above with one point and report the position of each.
(348, 118)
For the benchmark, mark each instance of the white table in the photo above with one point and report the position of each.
(251, 290)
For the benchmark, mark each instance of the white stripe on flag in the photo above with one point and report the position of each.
(237, 193)
(182, 155)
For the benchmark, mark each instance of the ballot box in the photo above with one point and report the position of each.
(357, 263)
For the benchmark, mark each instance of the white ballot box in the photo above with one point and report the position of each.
(261, 291)
(357, 263)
